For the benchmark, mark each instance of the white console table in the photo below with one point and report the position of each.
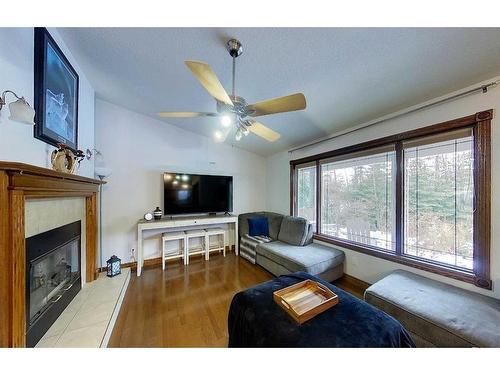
(180, 223)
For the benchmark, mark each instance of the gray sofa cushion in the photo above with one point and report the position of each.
(313, 258)
(273, 219)
(309, 234)
(294, 230)
(271, 266)
(438, 313)
(276, 269)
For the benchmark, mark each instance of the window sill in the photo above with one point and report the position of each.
(456, 274)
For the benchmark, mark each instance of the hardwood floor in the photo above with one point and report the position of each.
(352, 285)
(185, 306)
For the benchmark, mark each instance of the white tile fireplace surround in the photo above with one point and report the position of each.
(44, 214)
(88, 321)
(89, 318)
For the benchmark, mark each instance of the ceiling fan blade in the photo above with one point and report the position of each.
(294, 102)
(187, 114)
(206, 76)
(264, 132)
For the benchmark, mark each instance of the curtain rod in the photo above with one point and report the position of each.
(482, 88)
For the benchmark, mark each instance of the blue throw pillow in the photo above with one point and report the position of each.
(258, 226)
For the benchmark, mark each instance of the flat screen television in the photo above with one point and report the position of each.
(195, 194)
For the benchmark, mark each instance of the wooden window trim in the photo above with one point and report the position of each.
(481, 125)
(293, 195)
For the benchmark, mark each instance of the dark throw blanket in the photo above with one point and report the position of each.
(255, 320)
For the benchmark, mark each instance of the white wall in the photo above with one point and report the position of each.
(17, 142)
(139, 149)
(369, 268)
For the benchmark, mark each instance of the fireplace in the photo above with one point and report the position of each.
(53, 277)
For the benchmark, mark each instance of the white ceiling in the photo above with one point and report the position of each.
(348, 75)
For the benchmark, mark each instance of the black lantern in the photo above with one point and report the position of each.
(114, 266)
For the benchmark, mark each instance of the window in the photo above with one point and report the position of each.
(357, 198)
(306, 192)
(438, 198)
(420, 198)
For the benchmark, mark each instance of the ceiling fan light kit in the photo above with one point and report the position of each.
(233, 111)
(226, 121)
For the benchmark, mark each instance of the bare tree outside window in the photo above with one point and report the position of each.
(306, 193)
(439, 201)
(357, 200)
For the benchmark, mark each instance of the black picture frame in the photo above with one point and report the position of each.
(56, 86)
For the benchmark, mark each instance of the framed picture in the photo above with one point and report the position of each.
(56, 93)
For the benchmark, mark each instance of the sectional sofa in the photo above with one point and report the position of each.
(289, 247)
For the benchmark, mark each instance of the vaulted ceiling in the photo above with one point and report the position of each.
(348, 75)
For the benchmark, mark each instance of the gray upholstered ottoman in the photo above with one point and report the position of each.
(437, 314)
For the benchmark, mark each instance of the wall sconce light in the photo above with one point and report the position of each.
(20, 110)
(92, 152)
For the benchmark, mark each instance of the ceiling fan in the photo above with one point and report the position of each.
(233, 110)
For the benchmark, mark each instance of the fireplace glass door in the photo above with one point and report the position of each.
(51, 275)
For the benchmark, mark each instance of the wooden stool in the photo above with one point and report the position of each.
(177, 253)
(195, 250)
(219, 232)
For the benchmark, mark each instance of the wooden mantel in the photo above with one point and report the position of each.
(19, 182)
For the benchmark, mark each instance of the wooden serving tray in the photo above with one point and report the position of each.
(305, 300)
